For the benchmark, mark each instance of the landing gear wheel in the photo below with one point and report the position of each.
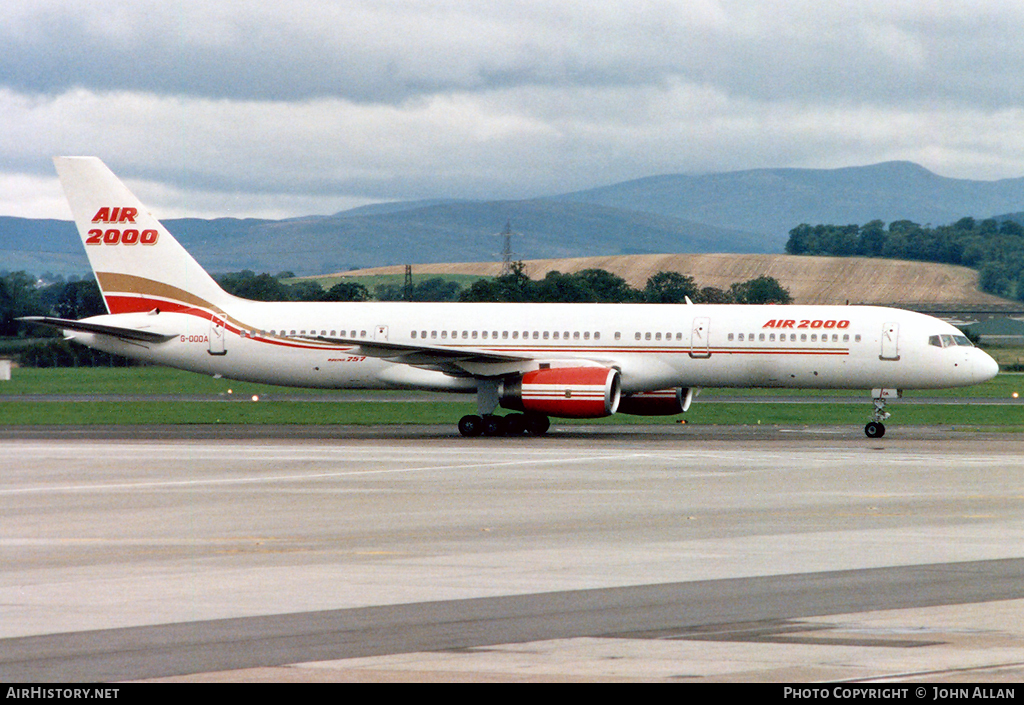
(494, 425)
(471, 425)
(874, 429)
(537, 424)
(515, 424)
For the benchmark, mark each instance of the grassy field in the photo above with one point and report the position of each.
(1007, 355)
(230, 403)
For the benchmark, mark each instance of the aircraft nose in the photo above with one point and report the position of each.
(983, 367)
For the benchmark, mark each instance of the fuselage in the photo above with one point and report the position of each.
(652, 346)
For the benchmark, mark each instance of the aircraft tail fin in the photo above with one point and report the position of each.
(138, 264)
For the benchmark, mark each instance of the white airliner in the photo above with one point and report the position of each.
(540, 360)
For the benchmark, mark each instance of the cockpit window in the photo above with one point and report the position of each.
(948, 341)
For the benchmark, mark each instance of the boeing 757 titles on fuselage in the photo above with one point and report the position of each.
(538, 360)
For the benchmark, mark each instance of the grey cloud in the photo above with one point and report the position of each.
(280, 102)
(391, 52)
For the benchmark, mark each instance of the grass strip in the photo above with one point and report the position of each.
(371, 413)
(152, 380)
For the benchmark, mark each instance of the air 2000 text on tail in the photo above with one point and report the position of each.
(538, 360)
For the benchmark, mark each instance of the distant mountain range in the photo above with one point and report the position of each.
(743, 212)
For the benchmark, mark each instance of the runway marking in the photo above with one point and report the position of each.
(772, 461)
(300, 477)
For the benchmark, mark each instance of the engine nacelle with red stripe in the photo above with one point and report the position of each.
(662, 402)
(568, 392)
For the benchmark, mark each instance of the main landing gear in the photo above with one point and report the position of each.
(486, 423)
(511, 425)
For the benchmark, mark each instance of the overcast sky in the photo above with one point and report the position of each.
(277, 109)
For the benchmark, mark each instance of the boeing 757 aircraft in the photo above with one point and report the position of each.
(538, 360)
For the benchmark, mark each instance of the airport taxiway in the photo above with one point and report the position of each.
(373, 553)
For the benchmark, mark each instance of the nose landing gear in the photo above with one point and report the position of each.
(875, 428)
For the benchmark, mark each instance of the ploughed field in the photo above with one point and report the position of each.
(810, 280)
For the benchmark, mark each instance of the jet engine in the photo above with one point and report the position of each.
(567, 392)
(662, 402)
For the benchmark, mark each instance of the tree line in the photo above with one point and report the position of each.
(995, 248)
(600, 286)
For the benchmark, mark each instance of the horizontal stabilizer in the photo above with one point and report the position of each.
(143, 336)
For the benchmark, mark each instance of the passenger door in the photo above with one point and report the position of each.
(218, 345)
(700, 342)
(890, 342)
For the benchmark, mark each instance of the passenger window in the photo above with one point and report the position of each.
(618, 335)
(638, 336)
(586, 335)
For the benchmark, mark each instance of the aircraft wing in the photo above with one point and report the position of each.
(409, 351)
(451, 359)
(133, 334)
